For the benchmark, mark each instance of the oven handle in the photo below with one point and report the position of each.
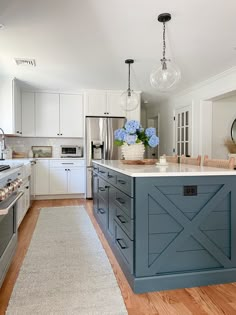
(4, 211)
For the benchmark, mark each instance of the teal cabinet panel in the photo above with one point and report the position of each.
(167, 240)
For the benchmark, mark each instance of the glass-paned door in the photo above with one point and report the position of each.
(183, 131)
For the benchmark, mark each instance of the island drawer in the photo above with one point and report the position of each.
(111, 176)
(124, 222)
(102, 171)
(95, 168)
(125, 247)
(124, 202)
(125, 183)
(102, 189)
(102, 213)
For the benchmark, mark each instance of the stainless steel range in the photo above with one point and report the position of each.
(9, 195)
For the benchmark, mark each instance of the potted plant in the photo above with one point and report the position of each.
(133, 139)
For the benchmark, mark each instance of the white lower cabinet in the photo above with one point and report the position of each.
(42, 177)
(76, 180)
(66, 177)
(58, 181)
(23, 203)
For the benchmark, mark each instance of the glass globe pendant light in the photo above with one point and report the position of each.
(165, 76)
(129, 99)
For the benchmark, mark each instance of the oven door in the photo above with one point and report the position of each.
(8, 232)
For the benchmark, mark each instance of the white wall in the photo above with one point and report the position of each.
(223, 115)
(199, 97)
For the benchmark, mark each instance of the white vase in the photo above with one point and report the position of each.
(133, 151)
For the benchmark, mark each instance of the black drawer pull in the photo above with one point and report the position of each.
(110, 176)
(123, 182)
(102, 172)
(95, 168)
(95, 175)
(121, 218)
(102, 211)
(102, 188)
(121, 201)
(120, 241)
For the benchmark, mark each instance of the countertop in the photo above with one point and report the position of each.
(172, 169)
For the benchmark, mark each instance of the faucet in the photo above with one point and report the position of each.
(3, 145)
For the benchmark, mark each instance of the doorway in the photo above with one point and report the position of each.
(153, 153)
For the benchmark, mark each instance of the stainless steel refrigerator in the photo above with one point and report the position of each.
(99, 144)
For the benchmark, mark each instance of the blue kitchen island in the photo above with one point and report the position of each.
(169, 227)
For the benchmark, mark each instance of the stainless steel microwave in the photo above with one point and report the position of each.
(71, 151)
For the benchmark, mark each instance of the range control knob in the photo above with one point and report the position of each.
(2, 194)
(10, 187)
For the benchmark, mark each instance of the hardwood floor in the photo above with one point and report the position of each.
(218, 299)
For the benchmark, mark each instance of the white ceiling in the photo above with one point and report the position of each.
(83, 43)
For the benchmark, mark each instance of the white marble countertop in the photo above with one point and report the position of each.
(172, 169)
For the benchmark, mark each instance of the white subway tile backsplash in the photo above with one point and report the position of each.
(21, 144)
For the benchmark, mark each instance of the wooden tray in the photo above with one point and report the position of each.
(140, 162)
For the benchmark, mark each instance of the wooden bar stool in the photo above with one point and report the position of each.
(171, 158)
(219, 162)
(190, 160)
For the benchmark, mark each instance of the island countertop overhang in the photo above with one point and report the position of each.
(172, 169)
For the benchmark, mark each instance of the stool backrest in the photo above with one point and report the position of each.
(220, 163)
(190, 160)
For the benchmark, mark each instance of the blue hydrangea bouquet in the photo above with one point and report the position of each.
(133, 133)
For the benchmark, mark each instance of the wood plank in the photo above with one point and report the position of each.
(209, 300)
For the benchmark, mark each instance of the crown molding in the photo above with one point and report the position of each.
(205, 82)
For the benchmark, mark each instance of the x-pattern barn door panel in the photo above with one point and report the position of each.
(184, 233)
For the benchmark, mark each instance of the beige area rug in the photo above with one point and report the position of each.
(66, 270)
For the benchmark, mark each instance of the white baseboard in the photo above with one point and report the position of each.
(66, 196)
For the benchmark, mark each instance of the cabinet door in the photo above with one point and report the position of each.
(42, 177)
(96, 104)
(28, 114)
(27, 197)
(113, 105)
(58, 180)
(6, 105)
(76, 180)
(17, 125)
(71, 115)
(20, 210)
(47, 114)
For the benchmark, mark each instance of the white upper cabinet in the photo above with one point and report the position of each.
(47, 115)
(71, 115)
(17, 123)
(107, 103)
(113, 104)
(96, 103)
(28, 114)
(10, 106)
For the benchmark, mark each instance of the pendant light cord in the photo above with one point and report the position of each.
(129, 91)
(164, 41)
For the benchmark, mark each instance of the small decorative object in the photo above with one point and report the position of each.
(231, 145)
(42, 151)
(133, 139)
(129, 99)
(30, 154)
(166, 75)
